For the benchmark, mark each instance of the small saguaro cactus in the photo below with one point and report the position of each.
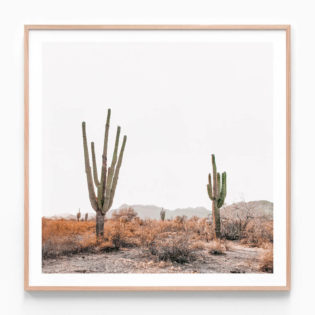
(162, 214)
(86, 217)
(217, 193)
(78, 215)
(107, 182)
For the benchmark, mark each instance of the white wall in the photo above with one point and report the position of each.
(15, 13)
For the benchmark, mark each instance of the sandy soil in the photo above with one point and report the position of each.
(238, 259)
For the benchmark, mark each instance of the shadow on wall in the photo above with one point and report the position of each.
(89, 296)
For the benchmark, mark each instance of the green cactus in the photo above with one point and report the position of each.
(162, 214)
(78, 215)
(107, 183)
(217, 193)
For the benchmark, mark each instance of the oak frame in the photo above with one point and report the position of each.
(286, 28)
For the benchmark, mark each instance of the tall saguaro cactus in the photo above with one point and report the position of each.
(217, 193)
(107, 182)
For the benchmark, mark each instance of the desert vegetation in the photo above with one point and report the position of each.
(177, 245)
(107, 183)
(162, 214)
(234, 239)
(217, 194)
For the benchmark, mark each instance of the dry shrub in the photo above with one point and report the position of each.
(125, 214)
(231, 229)
(217, 247)
(267, 261)
(64, 237)
(258, 232)
(113, 233)
(150, 230)
(252, 231)
(172, 249)
(148, 233)
(121, 233)
(121, 229)
(180, 219)
(61, 228)
(200, 229)
(198, 245)
(59, 246)
(107, 246)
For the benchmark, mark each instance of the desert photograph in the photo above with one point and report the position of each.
(173, 175)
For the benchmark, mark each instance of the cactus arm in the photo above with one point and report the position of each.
(111, 170)
(223, 191)
(209, 192)
(220, 203)
(214, 170)
(209, 187)
(104, 156)
(116, 174)
(88, 170)
(96, 181)
(218, 186)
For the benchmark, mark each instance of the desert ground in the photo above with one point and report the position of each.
(237, 259)
(179, 245)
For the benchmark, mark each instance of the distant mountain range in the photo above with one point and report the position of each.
(239, 209)
(253, 208)
(250, 209)
(153, 212)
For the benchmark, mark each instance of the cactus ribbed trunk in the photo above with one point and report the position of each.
(100, 224)
(217, 193)
(106, 185)
(216, 220)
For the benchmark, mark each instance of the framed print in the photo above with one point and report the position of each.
(157, 157)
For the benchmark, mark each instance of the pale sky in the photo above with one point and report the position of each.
(176, 102)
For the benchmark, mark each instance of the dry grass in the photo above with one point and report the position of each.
(63, 237)
(267, 261)
(177, 240)
(217, 247)
(254, 232)
(175, 249)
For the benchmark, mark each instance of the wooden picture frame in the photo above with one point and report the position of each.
(270, 28)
